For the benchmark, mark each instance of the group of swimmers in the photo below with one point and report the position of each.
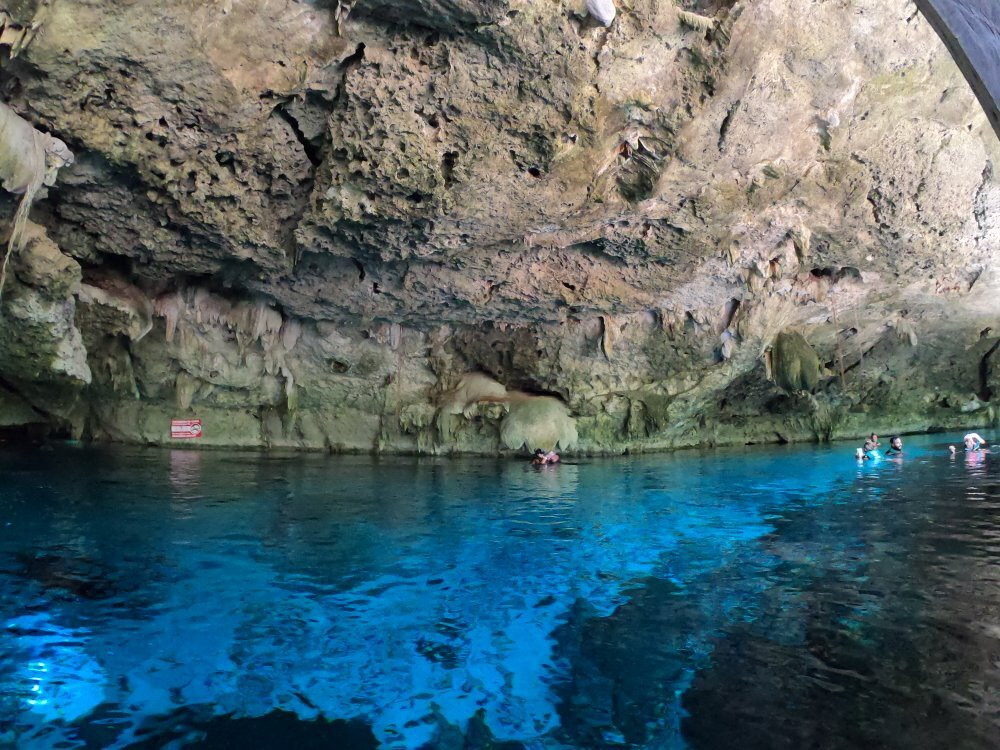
(869, 451)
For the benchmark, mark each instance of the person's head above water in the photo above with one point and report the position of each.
(973, 441)
(896, 442)
(545, 457)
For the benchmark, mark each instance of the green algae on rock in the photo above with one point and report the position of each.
(794, 362)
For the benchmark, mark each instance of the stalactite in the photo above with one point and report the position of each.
(29, 159)
(602, 10)
(840, 347)
(170, 307)
(16, 35)
(291, 395)
(606, 336)
(695, 21)
(290, 332)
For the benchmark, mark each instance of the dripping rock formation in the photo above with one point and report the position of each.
(486, 225)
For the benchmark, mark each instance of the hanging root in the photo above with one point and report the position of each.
(29, 159)
(14, 243)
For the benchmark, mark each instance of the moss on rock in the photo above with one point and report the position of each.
(796, 366)
(538, 422)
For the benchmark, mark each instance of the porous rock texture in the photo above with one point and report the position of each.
(308, 223)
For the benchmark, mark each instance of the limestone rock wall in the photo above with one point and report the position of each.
(308, 223)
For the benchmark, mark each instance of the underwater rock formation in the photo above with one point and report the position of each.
(310, 242)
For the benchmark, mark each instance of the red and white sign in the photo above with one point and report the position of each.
(182, 429)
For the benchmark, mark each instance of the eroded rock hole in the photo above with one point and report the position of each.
(837, 274)
(448, 164)
(985, 373)
(158, 139)
(726, 122)
(355, 58)
(849, 272)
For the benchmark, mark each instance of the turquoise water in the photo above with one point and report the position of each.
(771, 598)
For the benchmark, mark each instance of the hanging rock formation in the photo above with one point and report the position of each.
(796, 366)
(603, 10)
(307, 223)
(29, 159)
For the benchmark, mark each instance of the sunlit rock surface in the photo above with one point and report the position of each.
(306, 223)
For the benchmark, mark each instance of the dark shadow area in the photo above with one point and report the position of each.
(278, 730)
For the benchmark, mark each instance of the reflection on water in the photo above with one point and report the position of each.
(777, 598)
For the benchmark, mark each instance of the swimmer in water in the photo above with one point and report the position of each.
(895, 446)
(542, 458)
(869, 448)
(974, 442)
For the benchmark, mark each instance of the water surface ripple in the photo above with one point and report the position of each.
(769, 598)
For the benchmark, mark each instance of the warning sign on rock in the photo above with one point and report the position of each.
(181, 429)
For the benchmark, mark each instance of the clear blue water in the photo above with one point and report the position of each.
(771, 598)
